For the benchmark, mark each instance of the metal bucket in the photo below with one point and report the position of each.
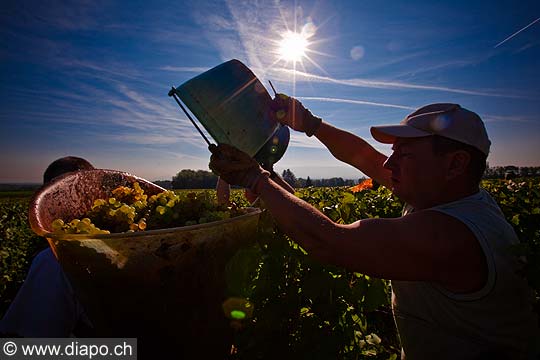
(165, 287)
(274, 148)
(232, 105)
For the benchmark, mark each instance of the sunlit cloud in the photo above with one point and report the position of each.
(255, 33)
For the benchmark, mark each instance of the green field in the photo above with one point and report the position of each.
(21, 194)
(302, 308)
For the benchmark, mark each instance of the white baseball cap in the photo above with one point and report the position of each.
(447, 120)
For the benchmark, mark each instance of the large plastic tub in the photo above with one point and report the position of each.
(165, 287)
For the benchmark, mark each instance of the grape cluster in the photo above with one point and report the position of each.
(129, 209)
(77, 226)
(169, 209)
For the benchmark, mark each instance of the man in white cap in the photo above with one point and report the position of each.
(456, 293)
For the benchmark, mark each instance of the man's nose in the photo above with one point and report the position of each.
(389, 164)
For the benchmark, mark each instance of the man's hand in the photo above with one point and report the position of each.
(291, 112)
(235, 166)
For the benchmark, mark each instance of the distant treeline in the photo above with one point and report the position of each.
(509, 171)
(19, 187)
(202, 179)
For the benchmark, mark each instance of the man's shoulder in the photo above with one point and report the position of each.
(481, 198)
(478, 205)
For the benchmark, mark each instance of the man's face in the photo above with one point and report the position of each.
(418, 175)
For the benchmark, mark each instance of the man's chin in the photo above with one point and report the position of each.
(398, 191)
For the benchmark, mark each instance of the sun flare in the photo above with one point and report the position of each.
(293, 46)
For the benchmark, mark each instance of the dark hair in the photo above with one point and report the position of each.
(477, 165)
(65, 165)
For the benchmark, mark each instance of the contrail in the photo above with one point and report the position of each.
(357, 102)
(389, 85)
(517, 32)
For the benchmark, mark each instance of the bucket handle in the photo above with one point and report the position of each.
(172, 93)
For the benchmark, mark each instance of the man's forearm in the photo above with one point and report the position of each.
(302, 222)
(279, 180)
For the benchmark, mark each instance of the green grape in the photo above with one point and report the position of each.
(76, 226)
(161, 210)
(99, 202)
(57, 225)
(139, 205)
(142, 224)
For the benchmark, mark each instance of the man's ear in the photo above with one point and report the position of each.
(458, 163)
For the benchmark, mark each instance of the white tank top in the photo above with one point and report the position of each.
(435, 323)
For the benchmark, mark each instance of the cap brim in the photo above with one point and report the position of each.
(387, 134)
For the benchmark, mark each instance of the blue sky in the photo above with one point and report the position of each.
(90, 78)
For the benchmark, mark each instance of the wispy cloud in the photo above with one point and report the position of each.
(59, 14)
(527, 46)
(510, 119)
(222, 31)
(140, 139)
(192, 69)
(247, 30)
(129, 116)
(110, 72)
(439, 66)
(300, 140)
(254, 40)
(395, 60)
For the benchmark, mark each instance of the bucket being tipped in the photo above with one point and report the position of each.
(232, 105)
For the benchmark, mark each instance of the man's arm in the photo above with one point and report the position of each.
(252, 197)
(354, 151)
(223, 192)
(279, 180)
(425, 246)
(345, 146)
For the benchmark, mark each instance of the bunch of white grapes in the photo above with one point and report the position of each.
(130, 210)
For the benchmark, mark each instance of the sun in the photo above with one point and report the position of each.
(293, 46)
